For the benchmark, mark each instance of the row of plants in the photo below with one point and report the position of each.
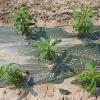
(25, 23)
(89, 79)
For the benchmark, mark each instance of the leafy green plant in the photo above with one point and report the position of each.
(47, 48)
(11, 75)
(89, 78)
(82, 20)
(23, 21)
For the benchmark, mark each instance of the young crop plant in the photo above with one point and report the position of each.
(23, 21)
(11, 75)
(82, 20)
(47, 48)
(89, 78)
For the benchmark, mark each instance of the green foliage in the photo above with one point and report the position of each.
(11, 75)
(82, 20)
(47, 48)
(89, 78)
(23, 21)
(1, 72)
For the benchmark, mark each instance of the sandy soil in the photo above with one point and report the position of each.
(48, 12)
(47, 92)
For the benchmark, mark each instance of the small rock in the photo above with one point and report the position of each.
(19, 92)
(64, 92)
(4, 92)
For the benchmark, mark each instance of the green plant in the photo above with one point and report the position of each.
(89, 78)
(11, 75)
(23, 21)
(82, 20)
(47, 48)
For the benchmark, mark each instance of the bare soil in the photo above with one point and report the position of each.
(48, 92)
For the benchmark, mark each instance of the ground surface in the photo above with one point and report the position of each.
(48, 12)
(48, 92)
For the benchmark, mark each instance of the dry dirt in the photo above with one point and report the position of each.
(48, 12)
(47, 92)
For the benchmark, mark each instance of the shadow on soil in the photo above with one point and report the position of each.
(93, 35)
(56, 32)
(59, 32)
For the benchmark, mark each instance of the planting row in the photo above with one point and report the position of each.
(25, 24)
